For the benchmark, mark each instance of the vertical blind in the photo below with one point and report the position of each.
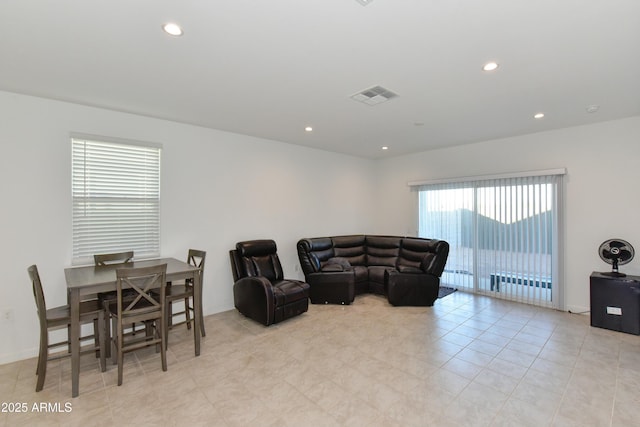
(503, 234)
(116, 198)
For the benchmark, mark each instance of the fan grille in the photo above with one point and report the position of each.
(616, 252)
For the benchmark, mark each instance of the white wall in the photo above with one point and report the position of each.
(217, 188)
(602, 195)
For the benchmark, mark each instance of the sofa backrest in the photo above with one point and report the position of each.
(313, 253)
(413, 250)
(350, 247)
(382, 250)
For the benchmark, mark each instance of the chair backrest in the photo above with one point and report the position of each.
(114, 258)
(197, 259)
(255, 258)
(142, 302)
(38, 294)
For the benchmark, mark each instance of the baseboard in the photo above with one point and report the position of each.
(16, 357)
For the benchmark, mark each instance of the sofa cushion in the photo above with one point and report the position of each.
(377, 278)
(361, 273)
(287, 291)
(340, 261)
(336, 264)
(377, 273)
(409, 269)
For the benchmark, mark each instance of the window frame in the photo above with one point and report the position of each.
(476, 184)
(115, 197)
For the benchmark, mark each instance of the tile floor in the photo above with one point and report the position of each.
(467, 361)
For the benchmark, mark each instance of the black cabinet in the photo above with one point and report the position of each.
(615, 303)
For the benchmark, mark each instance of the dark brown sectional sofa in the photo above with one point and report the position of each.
(405, 269)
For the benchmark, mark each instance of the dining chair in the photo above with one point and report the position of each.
(184, 292)
(144, 307)
(59, 317)
(107, 298)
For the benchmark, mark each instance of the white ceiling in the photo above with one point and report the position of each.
(268, 68)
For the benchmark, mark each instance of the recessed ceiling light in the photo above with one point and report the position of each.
(593, 108)
(538, 115)
(385, 148)
(364, 2)
(490, 66)
(308, 129)
(172, 29)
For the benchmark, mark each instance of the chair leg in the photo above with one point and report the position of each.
(169, 307)
(102, 341)
(120, 363)
(96, 335)
(187, 315)
(165, 331)
(163, 343)
(114, 350)
(119, 330)
(202, 331)
(107, 330)
(43, 355)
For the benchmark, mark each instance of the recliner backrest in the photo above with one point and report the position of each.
(258, 258)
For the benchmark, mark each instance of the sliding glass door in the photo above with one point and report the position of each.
(503, 235)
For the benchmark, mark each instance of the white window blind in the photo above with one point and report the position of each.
(116, 198)
(503, 234)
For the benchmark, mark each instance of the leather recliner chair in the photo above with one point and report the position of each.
(260, 291)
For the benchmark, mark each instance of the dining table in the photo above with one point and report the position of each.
(86, 281)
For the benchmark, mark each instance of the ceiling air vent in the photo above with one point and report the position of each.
(374, 95)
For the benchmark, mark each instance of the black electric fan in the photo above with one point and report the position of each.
(616, 252)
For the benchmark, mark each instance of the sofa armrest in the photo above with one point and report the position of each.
(312, 252)
(253, 297)
(434, 262)
(412, 289)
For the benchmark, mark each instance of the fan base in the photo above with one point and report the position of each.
(614, 274)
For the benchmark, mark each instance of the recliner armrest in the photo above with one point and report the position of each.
(253, 297)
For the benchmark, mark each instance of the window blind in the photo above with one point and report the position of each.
(503, 234)
(116, 198)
